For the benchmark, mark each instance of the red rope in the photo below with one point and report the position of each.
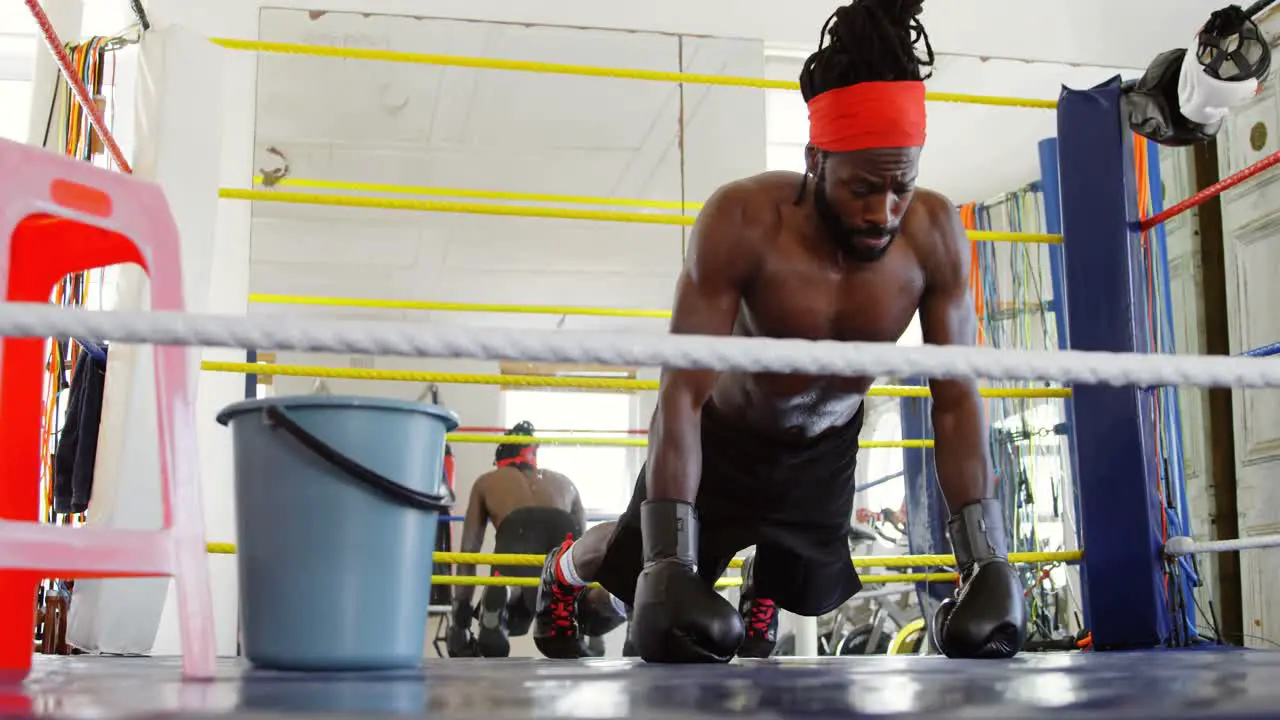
(1212, 191)
(77, 87)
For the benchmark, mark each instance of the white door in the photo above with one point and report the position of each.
(1251, 229)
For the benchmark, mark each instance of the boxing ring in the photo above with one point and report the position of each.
(1203, 684)
(1132, 669)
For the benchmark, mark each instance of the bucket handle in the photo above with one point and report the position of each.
(373, 480)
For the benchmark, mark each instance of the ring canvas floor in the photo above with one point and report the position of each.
(1219, 684)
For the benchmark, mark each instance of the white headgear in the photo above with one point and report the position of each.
(1223, 66)
(1205, 99)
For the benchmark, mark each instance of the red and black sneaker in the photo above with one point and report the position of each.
(759, 616)
(555, 619)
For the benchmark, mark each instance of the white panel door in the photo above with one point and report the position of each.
(1251, 230)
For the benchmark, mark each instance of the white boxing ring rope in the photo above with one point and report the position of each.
(822, 357)
(292, 332)
(1182, 545)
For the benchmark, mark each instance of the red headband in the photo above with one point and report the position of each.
(527, 456)
(868, 115)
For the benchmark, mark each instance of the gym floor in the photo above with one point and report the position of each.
(1219, 684)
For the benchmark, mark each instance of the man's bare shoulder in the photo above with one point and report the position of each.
(934, 228)
(485, 479)
(765, 193)
(557, 477)
(932, 215)
(751, 208)
(496, 475)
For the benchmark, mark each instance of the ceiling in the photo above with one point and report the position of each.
(1002, 141)
(1101, 32)
(602, 136)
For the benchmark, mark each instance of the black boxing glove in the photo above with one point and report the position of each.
(459, 640)
(677, 616)
(987, 617)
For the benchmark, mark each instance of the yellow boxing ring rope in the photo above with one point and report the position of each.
(552, 381)
(470, 208)
(517, 211)
(495, 439)
(894, 561)
(584, 70)
(582, 383)
(425, 305)
(504, 581)
(389, 189)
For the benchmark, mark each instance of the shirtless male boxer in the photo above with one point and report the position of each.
(850, 250)
(533, 510)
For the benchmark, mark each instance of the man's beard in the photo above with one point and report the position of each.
(845, 236)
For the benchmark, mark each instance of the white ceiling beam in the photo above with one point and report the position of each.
(1111, 33)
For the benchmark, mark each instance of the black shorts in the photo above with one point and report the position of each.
(529, 531)
(533, 531)
(792, 499)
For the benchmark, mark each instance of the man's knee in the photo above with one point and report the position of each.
(492, 638)
(588, 552)
(520, 610)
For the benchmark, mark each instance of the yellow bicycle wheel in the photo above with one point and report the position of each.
(907, 641)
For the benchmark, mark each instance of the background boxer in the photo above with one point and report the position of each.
(533, 510)
(851, 250)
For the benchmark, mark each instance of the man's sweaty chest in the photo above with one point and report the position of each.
(873, 302)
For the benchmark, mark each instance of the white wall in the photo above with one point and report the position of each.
(120, 615)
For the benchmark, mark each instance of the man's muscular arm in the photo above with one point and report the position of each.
(947, 318)
(724, 250)
(676, 615)
(987, 616)
(473, 527)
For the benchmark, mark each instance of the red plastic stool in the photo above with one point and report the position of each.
(60, 216)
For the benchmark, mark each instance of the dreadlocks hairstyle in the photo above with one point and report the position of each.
(867, 41)
(870, 40)
(516, 454)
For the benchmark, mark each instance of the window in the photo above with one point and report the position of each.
(15, 109)
(786, 117)
(17, 63)
(604, 475)
(884, 462)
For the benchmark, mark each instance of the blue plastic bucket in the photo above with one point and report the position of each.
(337, 500)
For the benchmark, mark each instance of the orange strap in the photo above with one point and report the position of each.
(449, 467)
(969, 216)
